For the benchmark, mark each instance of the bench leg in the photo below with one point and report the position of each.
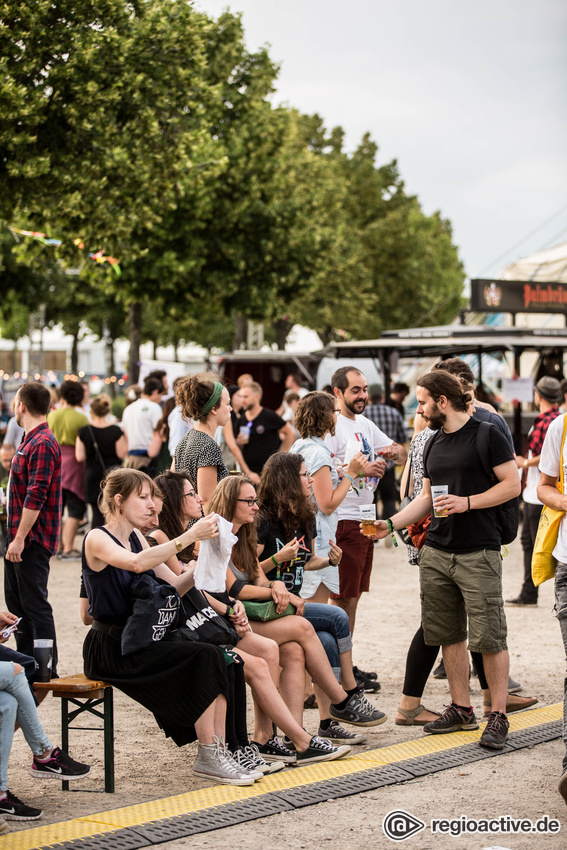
(108, 732)
(108, 742)
(65, 734)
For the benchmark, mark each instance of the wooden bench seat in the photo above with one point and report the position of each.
(85, 695)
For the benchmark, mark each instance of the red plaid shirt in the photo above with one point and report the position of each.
(539, 430)
(35, 483)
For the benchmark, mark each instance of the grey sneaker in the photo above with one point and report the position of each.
(72, 555)
(335, 732)
(214, 763)
(496, 731)
(358, 712)
(320, 750)
(250, 758)
(452, 720)
(562, 787)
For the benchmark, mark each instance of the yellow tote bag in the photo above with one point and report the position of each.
(543, 562)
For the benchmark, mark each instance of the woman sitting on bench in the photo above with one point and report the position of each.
(183, 682)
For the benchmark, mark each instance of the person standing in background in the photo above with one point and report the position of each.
(65, 423)
(268, 433)
(34, 520)
(547, 395)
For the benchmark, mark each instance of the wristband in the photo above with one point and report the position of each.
(390, 525)
(350, 478)
(468, 503)
(272, 558)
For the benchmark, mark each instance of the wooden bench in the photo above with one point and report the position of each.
(85, 695)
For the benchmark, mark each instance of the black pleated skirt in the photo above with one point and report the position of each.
(176, 679)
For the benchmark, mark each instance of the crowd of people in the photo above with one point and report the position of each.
(225, 549)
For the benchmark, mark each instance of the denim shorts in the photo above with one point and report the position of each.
(456, 587)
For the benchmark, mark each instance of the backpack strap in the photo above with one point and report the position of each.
(482, 443)
(428, 445)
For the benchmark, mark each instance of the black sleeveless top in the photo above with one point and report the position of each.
(108, 591)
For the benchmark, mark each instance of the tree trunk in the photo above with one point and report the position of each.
(239, 331)
(110, 366)
(154, 347)
(75, 353)
(326, 335)
(135, 326)
(282, 329)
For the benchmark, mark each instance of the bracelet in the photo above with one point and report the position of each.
(179, 545)
(526, 463)
(390, 525)
(469, 503)
(270, 584)
(350, 478)
(272, 558)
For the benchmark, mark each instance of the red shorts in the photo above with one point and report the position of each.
(356, 563)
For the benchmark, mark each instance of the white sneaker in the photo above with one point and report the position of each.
(213, 762)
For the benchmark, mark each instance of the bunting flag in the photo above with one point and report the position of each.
(98, 257)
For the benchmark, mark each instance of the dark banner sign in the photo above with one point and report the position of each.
(518, 296)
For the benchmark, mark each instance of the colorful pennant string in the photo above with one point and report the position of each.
(98, 257)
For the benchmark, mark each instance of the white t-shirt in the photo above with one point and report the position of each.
(550, 464)
(138, 422)
(177, 428)
(371, 439)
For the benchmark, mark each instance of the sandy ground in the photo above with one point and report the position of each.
(521, 784)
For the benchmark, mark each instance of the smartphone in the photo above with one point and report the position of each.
(9, 630)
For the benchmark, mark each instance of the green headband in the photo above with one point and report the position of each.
(215, 396)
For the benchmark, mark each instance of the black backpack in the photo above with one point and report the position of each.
(508, 513)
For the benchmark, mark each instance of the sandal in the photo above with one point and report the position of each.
(410, 716)
(510, 707)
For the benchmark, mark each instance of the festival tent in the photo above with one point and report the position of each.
(549, 266)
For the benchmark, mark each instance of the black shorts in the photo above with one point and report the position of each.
(75, 507)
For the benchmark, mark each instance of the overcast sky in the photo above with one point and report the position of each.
(470, 98)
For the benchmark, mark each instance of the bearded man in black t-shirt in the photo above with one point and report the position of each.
(267, 433)
(460, 565)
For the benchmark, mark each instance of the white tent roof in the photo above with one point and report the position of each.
(544, 266)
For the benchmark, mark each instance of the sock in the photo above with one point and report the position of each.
(3, 795)
(44, 758)
(341, 705)
(324, 724)
(355, 690)
(464, 708)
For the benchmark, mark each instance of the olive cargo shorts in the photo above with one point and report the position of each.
(456, 587)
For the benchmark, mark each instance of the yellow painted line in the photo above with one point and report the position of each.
(217, 795)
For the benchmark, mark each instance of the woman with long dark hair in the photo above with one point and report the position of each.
(235, 499)
(286, 530)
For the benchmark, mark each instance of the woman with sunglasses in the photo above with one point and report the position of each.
(182, 506)
(235, 499)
